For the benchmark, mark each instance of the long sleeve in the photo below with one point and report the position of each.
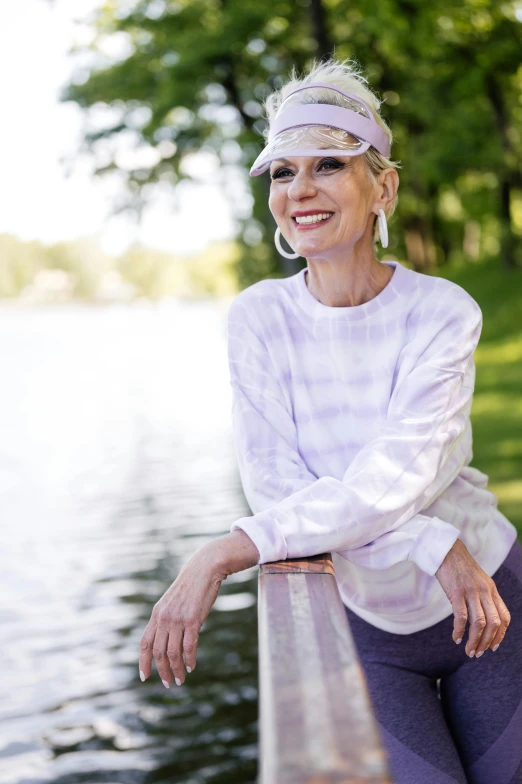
(371, 517)
(265, 437)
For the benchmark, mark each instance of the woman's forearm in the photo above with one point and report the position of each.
(233, 553)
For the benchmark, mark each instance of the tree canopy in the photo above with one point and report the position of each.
(191, 75)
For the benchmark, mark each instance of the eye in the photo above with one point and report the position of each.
(278, 173)
(329, 163)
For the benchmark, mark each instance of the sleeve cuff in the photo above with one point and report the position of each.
(433, 544)
(266, 535)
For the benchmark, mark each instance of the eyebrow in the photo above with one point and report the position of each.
(279, 160)
(286, 160)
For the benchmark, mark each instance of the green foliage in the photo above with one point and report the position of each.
(196, 72)
(19, 263)
(497, 406)
(30, 270)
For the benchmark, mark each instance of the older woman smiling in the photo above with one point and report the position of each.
(353, 383)
(344, 191)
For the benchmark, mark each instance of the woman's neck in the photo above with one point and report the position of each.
(341, 288)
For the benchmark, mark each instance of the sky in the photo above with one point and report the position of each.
(38, 201)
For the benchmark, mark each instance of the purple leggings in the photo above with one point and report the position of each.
(444, 717)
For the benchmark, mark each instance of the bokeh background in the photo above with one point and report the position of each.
(128, 223)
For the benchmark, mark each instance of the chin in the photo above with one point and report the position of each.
(311, 249)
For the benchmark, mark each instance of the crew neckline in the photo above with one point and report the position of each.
(389, 294)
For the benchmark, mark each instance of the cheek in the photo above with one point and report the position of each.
(276, 203)
(352, 208)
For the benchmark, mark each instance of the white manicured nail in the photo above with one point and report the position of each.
(178, 681)
(165, 683)
(142, 676)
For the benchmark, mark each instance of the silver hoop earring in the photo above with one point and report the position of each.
(383, 228)
(277, 240)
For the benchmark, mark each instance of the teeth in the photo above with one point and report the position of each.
(313, 218)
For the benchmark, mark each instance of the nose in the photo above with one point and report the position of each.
(302, 185)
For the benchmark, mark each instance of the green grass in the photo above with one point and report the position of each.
(496, 415)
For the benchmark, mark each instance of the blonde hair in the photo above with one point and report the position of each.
(346, 74)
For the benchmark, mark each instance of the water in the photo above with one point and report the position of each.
(116, 464)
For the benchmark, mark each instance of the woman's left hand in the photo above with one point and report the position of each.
(173, 630)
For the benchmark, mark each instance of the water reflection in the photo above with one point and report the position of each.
(116, 463)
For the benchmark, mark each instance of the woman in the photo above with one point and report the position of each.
(353, 383)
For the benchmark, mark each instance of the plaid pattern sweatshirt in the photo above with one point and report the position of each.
(352, 435)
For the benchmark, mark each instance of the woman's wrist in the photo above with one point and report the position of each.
(455, 554)
(233, 553)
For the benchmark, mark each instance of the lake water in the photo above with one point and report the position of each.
(116, 464)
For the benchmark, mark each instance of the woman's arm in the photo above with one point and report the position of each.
(232, 552)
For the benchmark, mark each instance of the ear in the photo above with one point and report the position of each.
(387, 186)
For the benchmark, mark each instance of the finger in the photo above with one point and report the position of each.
(159, 651)
(146, 644)
(477, 623)
(174, 653)
(460, 611)
(190, 645)
(505, 619)
(492, 622)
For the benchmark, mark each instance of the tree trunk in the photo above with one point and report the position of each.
(496, 97)
(507, 248)
(320, 33)
(420, 248)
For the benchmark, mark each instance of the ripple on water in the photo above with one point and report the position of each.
(116, 463)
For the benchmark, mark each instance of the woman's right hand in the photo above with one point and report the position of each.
(474, 597)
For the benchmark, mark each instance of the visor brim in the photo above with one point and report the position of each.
(263, 161)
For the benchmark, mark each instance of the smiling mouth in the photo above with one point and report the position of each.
(306, 223)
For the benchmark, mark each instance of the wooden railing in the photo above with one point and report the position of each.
(316, 718)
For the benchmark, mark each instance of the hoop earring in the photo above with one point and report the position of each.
(277, 240)
(383, 228)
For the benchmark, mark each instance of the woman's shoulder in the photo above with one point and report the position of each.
(260, 298)
(442, 296)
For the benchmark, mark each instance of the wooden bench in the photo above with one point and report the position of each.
(316, 718)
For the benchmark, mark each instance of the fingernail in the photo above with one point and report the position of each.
(472, 653)
(178, 681)
(189, 669)
(479, 655)
(165, 683)
(496, 646)
(459, 640)
(142, 676)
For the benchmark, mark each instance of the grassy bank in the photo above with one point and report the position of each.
(497, 408)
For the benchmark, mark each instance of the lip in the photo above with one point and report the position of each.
(305, 226)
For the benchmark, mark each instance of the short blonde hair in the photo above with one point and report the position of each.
(346, 74)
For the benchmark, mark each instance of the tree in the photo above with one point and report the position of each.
(194, 74)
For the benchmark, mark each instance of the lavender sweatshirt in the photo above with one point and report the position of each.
(352, 436)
